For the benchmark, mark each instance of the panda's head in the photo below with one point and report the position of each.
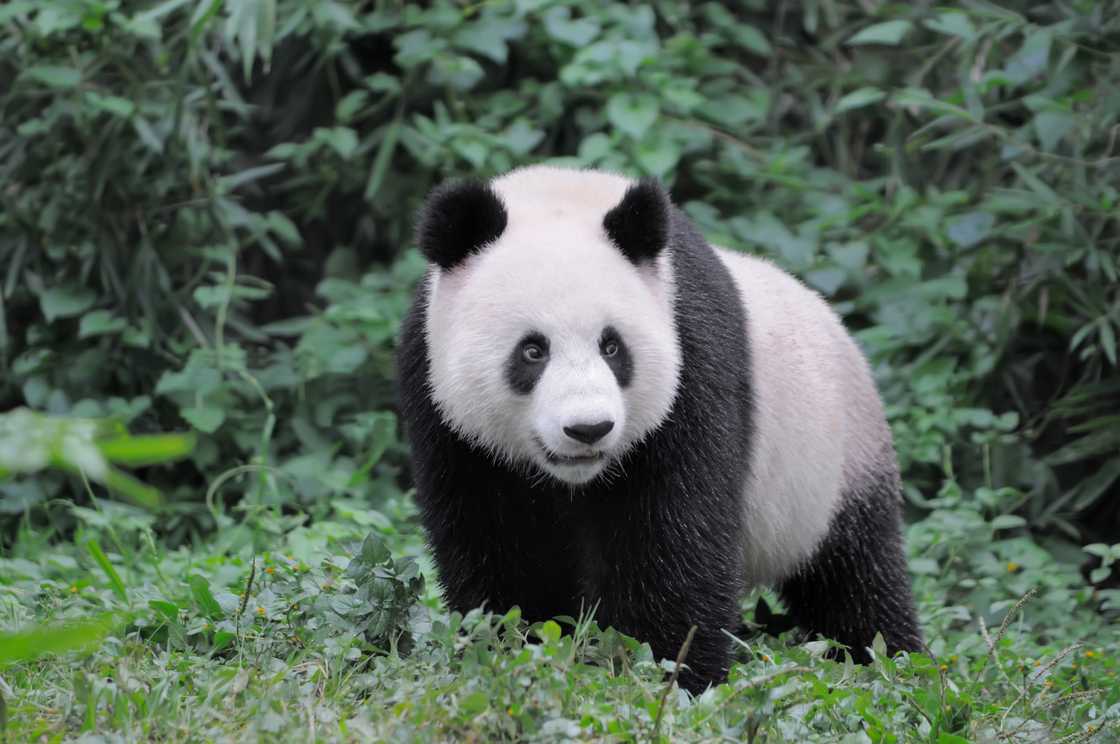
(550, 316)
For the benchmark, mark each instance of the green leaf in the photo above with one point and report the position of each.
(342, 140)
(206, 419)
(826, 280)
(1090, 489)
(733, 111)
(521, 137)
(923, 99)
(132, 489)
(549, 631)
(578, 33)
(751, 39)
(416, 48)
(204, 598)
(169, 610)
(1101, 442)
(969, 229)
(945, 738)
(55, 76)
(1007, 522)
(859, 98)
(888, 32)
(99, 323)
(632, 113)
(459, 72)
(138, 451)
(489, 35)
(1108, 340)
(81, 635)
(102, 560)
(115, 105)
(66, 302)
(1052, 127)
(474, 703)
(1031, 59)
(952, 23)
(279, 223)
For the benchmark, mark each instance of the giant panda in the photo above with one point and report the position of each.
(605, 412)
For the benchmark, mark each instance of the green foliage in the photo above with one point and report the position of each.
(205, 212)
(330, 633)
(30, 442)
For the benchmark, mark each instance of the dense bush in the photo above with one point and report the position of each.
(206, 212)
(192, 192)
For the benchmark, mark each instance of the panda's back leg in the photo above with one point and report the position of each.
(856, 584)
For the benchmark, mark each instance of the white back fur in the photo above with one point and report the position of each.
(818, 420)
(553, 271)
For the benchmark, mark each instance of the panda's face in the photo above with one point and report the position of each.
(550, 348)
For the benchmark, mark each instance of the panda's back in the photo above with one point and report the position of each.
(818, 421)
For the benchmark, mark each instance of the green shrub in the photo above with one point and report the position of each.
(192, 191)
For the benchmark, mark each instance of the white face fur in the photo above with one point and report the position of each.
(529, 338)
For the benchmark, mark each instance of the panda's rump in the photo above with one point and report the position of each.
(817, 419)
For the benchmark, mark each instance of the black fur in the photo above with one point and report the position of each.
(856, 584)
(522, 374)
(640, 224)
(621, 364)
(656, 548)
(458, 219)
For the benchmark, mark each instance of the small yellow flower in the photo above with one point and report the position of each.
(260, 611)
(74, 589)
(1090, 654)
(766, 658)
(944, 668)
(1012, 567)
(270, 570)
(1038, 662)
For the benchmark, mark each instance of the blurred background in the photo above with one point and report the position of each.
(206, 214)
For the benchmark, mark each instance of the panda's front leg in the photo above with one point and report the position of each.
(655, 577)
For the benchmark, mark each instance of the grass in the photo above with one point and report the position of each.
(335, 636)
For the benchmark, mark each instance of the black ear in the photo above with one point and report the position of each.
(458, 219)
(639, 224)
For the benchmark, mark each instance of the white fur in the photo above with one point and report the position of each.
(553, 271)
(818, 420)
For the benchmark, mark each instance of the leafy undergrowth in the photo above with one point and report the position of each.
(335, 635)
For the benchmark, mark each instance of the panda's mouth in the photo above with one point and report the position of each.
(555, 458)
(573, 459)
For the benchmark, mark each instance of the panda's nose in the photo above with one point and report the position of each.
(589, 433)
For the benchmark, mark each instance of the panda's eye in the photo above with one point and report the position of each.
(533, 353)
(610, 348)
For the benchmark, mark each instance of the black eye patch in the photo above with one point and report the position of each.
(617, 355)
(526, 363)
